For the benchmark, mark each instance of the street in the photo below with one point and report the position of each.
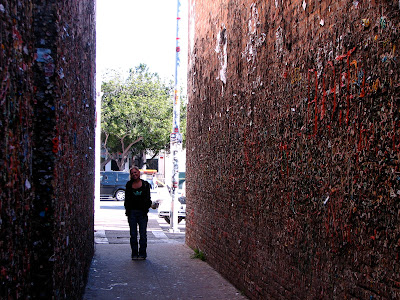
(111, 225)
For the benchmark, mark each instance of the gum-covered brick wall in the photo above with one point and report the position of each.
(293, 177)
(47, 99)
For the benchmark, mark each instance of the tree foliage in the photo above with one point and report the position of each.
(136, 114)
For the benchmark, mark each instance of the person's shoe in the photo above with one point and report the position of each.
(141, 257)
(134, 257)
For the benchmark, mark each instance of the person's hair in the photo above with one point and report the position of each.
(133, 168)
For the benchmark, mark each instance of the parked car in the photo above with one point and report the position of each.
(112, 185)
(165, 206)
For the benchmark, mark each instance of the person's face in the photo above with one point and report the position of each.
(135, 174)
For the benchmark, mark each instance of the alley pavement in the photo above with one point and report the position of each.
(169, 272)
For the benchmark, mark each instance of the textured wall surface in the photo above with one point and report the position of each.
(293, 143)
(47, 102)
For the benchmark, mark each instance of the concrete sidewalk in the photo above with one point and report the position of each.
(168, 273)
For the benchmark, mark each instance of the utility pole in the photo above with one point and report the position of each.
(176, 136)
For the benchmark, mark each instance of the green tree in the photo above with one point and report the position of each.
(136, 114)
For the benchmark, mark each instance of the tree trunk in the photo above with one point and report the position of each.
(150, 159)
(115, 156)
(105, 162)
(121, 163)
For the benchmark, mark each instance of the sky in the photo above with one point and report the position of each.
(131, 32)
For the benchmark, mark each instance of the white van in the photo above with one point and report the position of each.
(165, 206)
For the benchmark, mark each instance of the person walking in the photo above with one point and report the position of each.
(137, 204)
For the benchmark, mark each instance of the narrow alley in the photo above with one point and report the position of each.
(169, 272)
(292, 119)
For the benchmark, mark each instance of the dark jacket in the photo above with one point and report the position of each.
(137, 199)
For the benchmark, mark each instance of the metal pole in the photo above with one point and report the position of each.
(176, 138)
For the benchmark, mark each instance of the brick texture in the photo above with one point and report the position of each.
(293, 143)
(47, 99)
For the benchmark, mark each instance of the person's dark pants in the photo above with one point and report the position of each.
(135, 218)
